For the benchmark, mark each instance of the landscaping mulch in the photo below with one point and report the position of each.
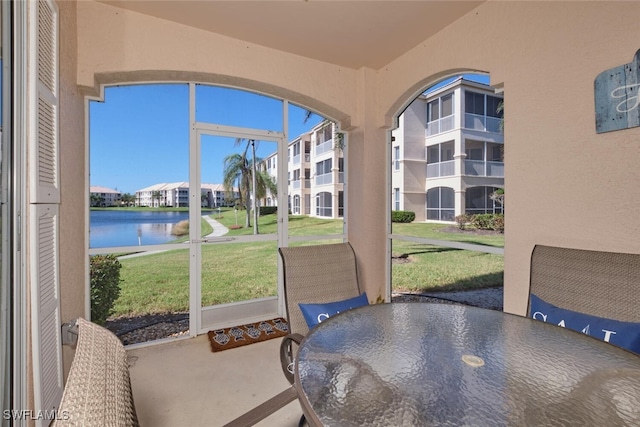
(150, 327)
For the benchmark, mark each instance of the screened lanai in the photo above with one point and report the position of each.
(359, 64)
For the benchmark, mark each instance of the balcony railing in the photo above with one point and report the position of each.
(441, 125)
(324, 179)
(341, 177)
(478, 122)
(297, 184)
(324, 147)
(296, 159)
(435, 170)
(482, 168)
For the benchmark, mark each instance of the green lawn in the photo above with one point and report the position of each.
(159, 283)
(267, 224)
(432, 268)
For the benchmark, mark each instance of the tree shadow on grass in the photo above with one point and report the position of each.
(425, 249)
(468, 284)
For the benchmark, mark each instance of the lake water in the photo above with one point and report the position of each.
(132, 228)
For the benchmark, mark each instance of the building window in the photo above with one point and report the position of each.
(323, 172)
(323, 204)
(296, 205)
(482, 112)
(296, 179)
(296, 153)
(396, 199)
(440, 204)
(478, 201)
(440, 160)
(396, 158)
(440, 117)
(483, 158)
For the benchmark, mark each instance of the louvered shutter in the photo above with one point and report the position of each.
(47, 343)
(44, 198)
(45, 182)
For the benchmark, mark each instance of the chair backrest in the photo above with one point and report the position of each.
(98, 389)
(317, 274)
(603, 284)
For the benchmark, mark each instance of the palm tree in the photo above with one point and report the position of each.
(240, 169)
(156, 195)
(95, 200)
(237, 170)
(128, 199)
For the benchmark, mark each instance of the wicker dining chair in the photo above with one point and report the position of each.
(313, 274)
(603, 284)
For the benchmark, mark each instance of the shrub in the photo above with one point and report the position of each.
(268, 210)
(105, 286)
(482, 221)
(402, 216)
(498, 222)
(181, 228)
(488, 222)
(462, 221)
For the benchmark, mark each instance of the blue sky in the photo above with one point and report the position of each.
(139, 135)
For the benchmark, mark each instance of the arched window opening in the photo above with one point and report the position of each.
(446, 160)
(185, 171)
(478, 200)
(440, 204)
(324, 204)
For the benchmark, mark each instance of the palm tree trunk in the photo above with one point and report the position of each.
(255, 193)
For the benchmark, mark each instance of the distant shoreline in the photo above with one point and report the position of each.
(148, 209)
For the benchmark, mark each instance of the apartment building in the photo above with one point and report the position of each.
(316, 177)
(104, 197)
(177, 195)
(448, 152)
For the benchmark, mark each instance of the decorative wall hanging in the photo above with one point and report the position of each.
(617, 97)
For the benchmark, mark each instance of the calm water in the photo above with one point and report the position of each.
(131, 228)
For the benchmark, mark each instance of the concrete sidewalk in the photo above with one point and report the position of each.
(218, 230)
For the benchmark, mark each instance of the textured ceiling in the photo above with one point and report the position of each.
(351, 34)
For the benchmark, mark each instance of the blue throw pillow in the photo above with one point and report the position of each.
(622, 334)
(316, 313)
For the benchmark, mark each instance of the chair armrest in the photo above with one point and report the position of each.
(267, 408)
(287, 356)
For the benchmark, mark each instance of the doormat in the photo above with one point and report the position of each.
(237, 336)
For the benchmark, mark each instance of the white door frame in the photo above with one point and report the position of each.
(202, 319)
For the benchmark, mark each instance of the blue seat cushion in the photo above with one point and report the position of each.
(316, 313)
(622, 334)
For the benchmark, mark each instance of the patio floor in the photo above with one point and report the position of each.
(183, 383)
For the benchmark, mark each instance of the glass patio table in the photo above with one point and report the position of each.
(426, 364)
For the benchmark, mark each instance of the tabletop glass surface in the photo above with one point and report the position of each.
(420, 364)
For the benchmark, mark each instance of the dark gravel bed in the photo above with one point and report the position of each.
(134, 330)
